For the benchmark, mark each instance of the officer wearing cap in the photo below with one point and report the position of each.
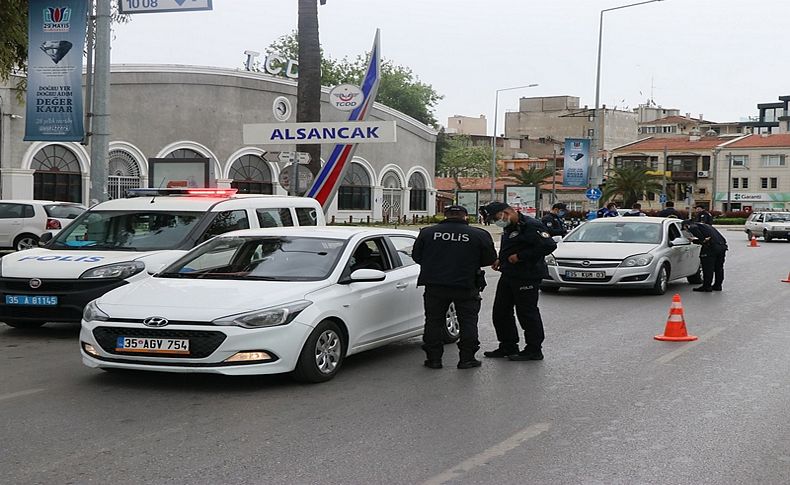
(450, 255)
(525, 243)
(711, 256)
(553, 220)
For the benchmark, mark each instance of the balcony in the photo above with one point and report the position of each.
(684, 176)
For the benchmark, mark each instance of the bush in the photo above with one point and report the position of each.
(730, 221)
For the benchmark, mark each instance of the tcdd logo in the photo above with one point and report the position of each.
(57, 19)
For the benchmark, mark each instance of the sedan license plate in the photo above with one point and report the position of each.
(152, 345)
(27, 300)
(586, 275)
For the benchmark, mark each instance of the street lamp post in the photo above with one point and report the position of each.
(596, 123)
(493, 138)
(729, 182)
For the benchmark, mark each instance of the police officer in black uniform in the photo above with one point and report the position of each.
(450, 255)
(702, 215)
(553, 220)
(669, 211)
(525, 243)
(714, 249)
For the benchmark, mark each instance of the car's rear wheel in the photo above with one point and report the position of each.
(23, 324)
(662, 281)
(25, 241)
(322, 354)
(748, 235)
(696, 278)
(452, 328)
(767, 237)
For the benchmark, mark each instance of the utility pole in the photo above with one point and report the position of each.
(554, 176)
(100, 139)
(729, 182)
(664, 179)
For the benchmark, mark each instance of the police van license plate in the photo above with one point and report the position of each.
(152, 345)
(586, 275)
(27, 300)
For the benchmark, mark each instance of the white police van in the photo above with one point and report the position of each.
(123, 240)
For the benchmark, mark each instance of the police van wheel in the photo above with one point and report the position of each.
(23, 325)
(696, 278)
(550, 289)
(452, 329)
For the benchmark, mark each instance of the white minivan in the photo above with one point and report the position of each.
(123, 240)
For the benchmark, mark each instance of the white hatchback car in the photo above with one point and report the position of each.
(22, 222)
(264, 301)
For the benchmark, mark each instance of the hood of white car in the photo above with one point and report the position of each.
(596, 250)
(70, 264)
(200, 300)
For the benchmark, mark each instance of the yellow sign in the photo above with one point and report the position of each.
(659, 173)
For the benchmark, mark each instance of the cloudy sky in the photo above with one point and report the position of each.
(718, 58)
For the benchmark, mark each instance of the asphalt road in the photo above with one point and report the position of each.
(609, 404)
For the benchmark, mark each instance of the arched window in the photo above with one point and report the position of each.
(123, 173)
(418, 195)
(184, 153)
(58, 175)
(354, 191)
(250, 174)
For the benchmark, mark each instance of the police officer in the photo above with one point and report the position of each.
(450, 255)
(553, 220)
(714, 249)
(525, 243)
(702, 215)
(669, 211)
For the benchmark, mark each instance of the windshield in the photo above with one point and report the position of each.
(617, 232)
(129, 231)
(64, 211)
(779, 218)
(260, 258)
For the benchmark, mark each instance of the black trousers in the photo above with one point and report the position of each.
(712, 266)
(437, 301)
(523, 295)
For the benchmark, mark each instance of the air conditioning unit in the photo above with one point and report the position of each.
(703, 174)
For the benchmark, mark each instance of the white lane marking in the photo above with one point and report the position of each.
(676, 353)
(495, 451)
(27, 392)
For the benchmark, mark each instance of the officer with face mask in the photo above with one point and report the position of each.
(553, 220)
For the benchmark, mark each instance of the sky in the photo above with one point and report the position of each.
(718, 58)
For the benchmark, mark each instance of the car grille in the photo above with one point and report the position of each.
(591, 264)
(201, 343)
(57, 286)
(587, 280)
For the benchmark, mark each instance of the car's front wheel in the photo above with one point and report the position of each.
(23, 324)
(767, 237)
(322, 354)
(662, 281)
(696, 278)
(452, 328)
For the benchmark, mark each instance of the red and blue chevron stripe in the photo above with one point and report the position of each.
(328, 179)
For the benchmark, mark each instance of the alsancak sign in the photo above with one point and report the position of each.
(158, 6)
(320, 133)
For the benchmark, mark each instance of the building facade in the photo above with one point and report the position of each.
(774, 117)
(199, 112)
(467, 125)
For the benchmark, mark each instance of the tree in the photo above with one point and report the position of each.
(631, 183)
(462, 159)
(399, 89)
(308, 104)
(533, 176)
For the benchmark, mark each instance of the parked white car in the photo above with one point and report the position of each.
(263, 302)
(768, 225)
(22, 222)
(626, 252)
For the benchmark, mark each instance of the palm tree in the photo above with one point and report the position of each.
(533, 176)
(632, 183)
(308, 91)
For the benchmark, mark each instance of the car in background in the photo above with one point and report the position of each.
(624, 252)
(264, 301)
(123, 240)
(22, 222)
(768, 225)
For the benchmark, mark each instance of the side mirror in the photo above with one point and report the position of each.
(367, 276)
(680, 241)
(44, 239)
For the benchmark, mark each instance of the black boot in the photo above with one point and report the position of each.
(469, 364)
(526, 355)
(500, 353)
(433, 364)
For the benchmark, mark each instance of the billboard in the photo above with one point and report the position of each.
(179, 172)
(468, 200)
(56, 36)
(577, 162)
(522, 198)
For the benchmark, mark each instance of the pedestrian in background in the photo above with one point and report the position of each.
(450, 255)
(670, 211)
(481, 216)
(702, 215)
(521, 262)
(554, 220)
(609, 211)
(636, 211)
(712, 254)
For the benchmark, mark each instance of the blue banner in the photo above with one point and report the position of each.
(577, 162)
(56, 36)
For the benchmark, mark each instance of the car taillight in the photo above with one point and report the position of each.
(53, 224)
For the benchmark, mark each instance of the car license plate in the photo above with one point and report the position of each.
(152, 345)
(27, 300)
(586, 275)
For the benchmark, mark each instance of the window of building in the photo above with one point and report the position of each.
(744, 183)
(773, 160)
(667, 129)
(123, 173)
(703, 191)
(575, 206)
(354, 191)
(57, 175)
(774, 183)
(637, 162)
(735, 184)
(650, 129)
(250, 174)
(682, 164)
(591, 132)
(739, 160)
(418, 194)
(705, 163)
(763, 182)
(184, 153)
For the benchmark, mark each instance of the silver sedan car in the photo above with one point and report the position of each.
(626, 252)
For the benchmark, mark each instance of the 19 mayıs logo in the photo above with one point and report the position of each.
(57, 19)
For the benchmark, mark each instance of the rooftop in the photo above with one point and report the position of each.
(760, 141)
(673, 144)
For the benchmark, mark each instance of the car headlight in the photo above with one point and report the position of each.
(550, 260)
(267, 317)
(93, 313)
(116, 270)
(637, 260)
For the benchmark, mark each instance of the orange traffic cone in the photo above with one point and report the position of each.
(787, 280)
(675, 330)
(753, 243)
